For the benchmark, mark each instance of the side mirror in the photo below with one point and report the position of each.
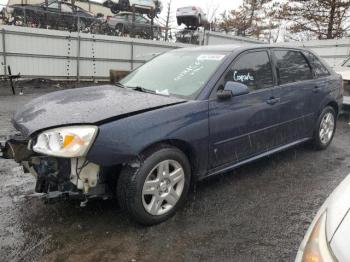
(232, 89)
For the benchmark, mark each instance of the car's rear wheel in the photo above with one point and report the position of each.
(151, 14)
(124, 5)
(115, 8)
(179, 21)
(325, 129)
(153, 192)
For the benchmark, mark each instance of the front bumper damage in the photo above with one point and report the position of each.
(58, 178)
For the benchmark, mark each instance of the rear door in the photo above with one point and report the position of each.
(322, 82)
(243, 126)
(294, 91)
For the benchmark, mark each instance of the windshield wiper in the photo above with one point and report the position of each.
(144, 90)
(141, 89)
(118, 84)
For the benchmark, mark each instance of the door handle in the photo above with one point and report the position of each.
(273, 100)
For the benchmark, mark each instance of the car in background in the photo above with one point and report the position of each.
(344, 71)
(56, 15)
(328, 236)
(191, 16)
(149, 7)
(123, 24)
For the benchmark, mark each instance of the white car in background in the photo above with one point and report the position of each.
(344, 71)
(328, 237)
(191, 16)
(149, 7)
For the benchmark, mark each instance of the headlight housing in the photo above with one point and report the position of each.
(317, 248)
(70, 141)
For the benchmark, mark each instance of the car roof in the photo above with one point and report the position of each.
(233, 48)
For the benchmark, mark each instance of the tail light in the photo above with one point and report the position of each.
(109, 17)
(194, 8)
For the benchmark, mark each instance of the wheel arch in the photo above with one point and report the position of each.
(335, 106)
(182, 145)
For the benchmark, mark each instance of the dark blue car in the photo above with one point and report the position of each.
(183, 116)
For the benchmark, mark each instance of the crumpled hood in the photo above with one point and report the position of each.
(87, 105)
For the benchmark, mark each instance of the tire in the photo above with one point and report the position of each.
(124, 5)
(151, 14)
(179, 21)
(325, 128)
(115, 8)
(199, 21)
(140, 200)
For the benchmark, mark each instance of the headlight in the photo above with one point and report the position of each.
(72, 141)
(317, 248)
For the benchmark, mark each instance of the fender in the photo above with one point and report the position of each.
(122, 140)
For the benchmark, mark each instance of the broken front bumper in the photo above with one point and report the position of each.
(15, 147)
(56, 177)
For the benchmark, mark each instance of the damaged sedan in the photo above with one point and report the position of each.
(185, 115)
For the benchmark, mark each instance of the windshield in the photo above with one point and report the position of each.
(347, 63)
(179, 73)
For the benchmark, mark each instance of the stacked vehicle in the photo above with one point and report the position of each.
(149, 7)
(55, 14)
(192, 17)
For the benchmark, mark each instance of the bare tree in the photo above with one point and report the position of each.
(167, 21)
(211, 12)
(321, 19)
(256, 18)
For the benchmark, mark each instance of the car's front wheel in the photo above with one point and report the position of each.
(153, 192)
(325, 129)
(199, 21)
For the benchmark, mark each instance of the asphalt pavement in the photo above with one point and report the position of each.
(259, 212)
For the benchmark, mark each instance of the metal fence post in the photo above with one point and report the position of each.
(78, 58)
(132, 56)
(3, 33)
(207, 38)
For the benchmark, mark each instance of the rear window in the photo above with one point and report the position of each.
(292, 66)
(319, 69)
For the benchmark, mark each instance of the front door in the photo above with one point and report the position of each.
(243, 126)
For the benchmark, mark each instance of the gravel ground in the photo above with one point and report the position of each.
(259, 212)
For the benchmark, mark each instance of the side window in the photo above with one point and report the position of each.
(54, 5)
(319, 69)
(65, 8)
(292, 66)
(140, 19)
(252, 69)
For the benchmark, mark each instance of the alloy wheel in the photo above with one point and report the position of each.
(163, 187)
(327, 128)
